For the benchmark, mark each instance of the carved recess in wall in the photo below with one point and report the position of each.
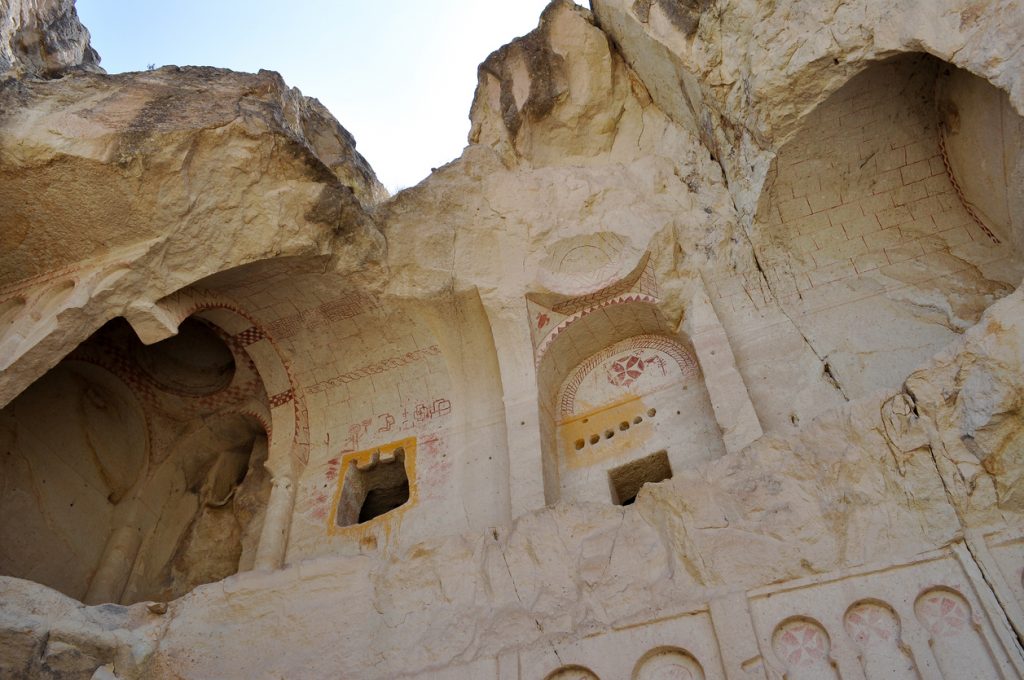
(635, 366)
(550, 314)
(177, 433)
(572, 673)
(668, 664)
(375, 486)
(584, 264)
(802, 645)
(634, 399)
(683, 646)
(960, 648)
(875, 630)
(893, 622)
(289, 423)
(145, 370)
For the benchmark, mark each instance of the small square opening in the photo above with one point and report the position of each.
(373, 489)
(626, 480)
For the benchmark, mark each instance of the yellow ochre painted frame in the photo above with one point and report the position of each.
(388, 519)
(598, 420)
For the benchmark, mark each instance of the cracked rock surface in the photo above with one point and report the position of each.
(802, 197)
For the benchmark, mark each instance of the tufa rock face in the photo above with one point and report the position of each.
(44, 39)
(562, 95)
(743, 74)
(761, 261)
(872, 483)
(158, 164)
(685, 15)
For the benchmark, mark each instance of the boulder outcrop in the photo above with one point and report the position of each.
(44, 39)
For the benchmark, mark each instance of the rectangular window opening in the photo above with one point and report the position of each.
(373, 489)
(626, 480)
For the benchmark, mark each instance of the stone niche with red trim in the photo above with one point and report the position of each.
(637, 398)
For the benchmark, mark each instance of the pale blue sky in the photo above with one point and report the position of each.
(398, 74)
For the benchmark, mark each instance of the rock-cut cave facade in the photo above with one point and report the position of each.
(704, 360)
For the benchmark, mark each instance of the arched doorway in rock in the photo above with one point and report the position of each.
(889, 222)
(136, 472)
(622, 403)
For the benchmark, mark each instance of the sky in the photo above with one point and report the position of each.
(398, 74)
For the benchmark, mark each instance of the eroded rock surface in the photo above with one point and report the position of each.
(44, 39)
(738, 254)
(130, 177)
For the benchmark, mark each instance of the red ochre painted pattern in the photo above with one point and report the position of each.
(373, 369)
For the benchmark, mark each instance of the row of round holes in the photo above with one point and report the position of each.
(608, 434)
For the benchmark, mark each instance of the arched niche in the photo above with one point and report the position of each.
(668, 663)
(955, 637)
(361, 373)
(572, 672)
(875, 629)
(983, 137)
(803, 647)
(622, 402)
(193, 362)
(136, 472)
(886, 228)
(287, 421)
(72, 447)
(214, 475)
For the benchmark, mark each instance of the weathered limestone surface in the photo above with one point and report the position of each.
(559, 118)
(49, 635)
(744, 72)
(878, 482)
(747, 189)
(43, 39)
(567, 153)
(130, 178)
(749, 78)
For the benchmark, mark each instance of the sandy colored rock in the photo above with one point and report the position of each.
(44, 39)
(704, 360)
(145, 152)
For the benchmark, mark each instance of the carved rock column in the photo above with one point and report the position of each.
(274, 537)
